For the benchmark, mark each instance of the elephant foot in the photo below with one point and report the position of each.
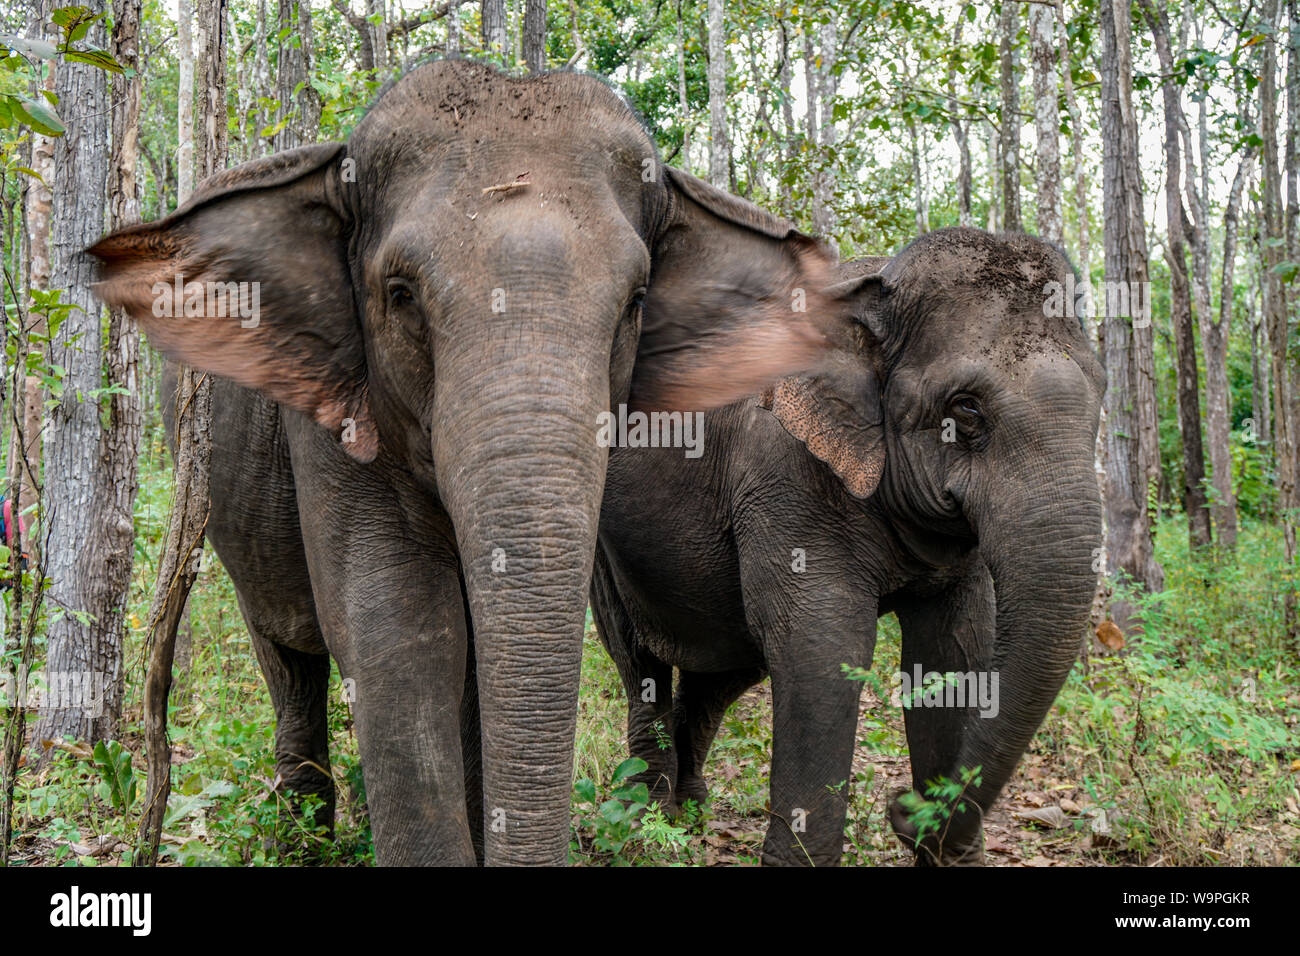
(693, 788)
(955, 847)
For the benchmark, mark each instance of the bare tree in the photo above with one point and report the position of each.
(185, 99)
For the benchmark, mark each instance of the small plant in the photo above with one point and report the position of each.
(117, 786)
(612, 822)
(943, 798)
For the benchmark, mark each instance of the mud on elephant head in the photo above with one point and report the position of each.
(522, 238)
(970, 408)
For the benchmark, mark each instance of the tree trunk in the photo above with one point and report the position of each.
(1132, 460)
(183, 542)
(1275, 300)
(1047, 167)
(719, 147)
(300, 113)
(1009, 140)
(185, 101)
(493, 27)
(823, 211)
(961, 133)
(84, 647)
(1083, 225)
(1180, 304)
(683, 104)
(535, 36)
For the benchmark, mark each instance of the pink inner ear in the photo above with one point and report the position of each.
(855, 454)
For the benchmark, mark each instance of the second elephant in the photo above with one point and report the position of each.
(942, 470)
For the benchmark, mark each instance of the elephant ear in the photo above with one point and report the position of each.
(736, 300)
(837, 411)
(249, 280)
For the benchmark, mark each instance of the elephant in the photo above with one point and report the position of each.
(941, 469)
(413, 335)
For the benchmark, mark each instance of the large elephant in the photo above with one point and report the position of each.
(435, 530)
(943, 471)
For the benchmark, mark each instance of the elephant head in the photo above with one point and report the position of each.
(969, 411)
(465, 286)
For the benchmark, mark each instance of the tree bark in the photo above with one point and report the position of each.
(1275, 296)
(178, 565)
(1047, 167)
(184, 100)
(493, 27)
(535, 36)
(1009, 140)
(1132, 460)
(719, 147)
(84, 645)
(683, 104)
(1180, 302)
(961, 133)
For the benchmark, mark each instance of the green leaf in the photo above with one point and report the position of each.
(94, 57)
(585, 790)
(37, 115)
(628, 768)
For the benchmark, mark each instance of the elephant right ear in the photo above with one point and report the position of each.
(250, 280)
(838, 415)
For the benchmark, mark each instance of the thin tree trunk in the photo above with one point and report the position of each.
(823, 211)
(185, 100)
(683, 104)
(535, 36)
(1009, 141)
(1180, 304)
(1131, 450)
(1275, 300)
(493, 26)
(1047, 167)
(178, 565)
(1079, 168)
(995, 179)
(719, 147)
(961, 133)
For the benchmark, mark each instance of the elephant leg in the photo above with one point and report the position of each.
(700, 703)
(385, 572)
(948, 631)
(814, 724)
(648, 683)
(299, 686)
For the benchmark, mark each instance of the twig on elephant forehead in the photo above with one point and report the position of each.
(521, 181)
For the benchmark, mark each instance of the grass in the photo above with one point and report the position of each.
(1182, 749)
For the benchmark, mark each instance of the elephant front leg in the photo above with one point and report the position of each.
(814, 723)
(950, 632)
(407, 664)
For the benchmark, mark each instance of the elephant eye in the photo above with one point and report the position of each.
(400, 294)
(967, 411)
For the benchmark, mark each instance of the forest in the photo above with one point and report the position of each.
(1155, 143)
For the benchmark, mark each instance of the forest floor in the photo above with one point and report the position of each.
(1181, 749)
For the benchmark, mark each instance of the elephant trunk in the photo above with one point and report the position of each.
(1039, 538)
(521, 475)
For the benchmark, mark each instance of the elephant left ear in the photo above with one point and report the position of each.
(837, 414)
(737, 299)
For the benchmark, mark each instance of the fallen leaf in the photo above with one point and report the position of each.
(1050, 816)
(1069, 806)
